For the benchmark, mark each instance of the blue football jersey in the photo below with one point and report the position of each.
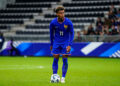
(61, 33)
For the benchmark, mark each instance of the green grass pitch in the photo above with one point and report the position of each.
(36, 71)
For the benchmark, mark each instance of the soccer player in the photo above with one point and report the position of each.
(61, 38)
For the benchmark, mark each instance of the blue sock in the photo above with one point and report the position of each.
(55, 66)
(64, 67)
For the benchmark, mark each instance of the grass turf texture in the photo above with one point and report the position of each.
(35, 71)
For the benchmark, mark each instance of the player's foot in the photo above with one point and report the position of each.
(62, 80)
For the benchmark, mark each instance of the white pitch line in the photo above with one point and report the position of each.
(19, 67)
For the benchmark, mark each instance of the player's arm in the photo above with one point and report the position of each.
(71, 34)
(71, 38)
(51, 35)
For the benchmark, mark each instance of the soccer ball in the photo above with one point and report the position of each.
(55, 78)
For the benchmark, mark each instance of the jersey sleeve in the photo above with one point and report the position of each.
(71, 38)
(51, 33)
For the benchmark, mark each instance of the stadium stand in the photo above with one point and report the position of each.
(33, 16)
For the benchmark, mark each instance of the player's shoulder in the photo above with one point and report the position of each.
(68, 20)
(53, 21)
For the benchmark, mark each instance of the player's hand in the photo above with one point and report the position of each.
(51, 47)
(68, 48)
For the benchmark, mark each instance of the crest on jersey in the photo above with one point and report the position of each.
(65, 26)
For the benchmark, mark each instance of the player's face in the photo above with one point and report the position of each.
(60, 14)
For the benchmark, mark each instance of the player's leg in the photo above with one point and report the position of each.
(64, 68)
(65, 65)
(55, 64)
(55, 52)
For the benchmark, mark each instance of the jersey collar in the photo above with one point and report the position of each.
(60, 22)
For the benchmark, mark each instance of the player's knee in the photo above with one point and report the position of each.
(56, 56)
(65, 56)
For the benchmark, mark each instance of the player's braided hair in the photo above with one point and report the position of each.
(59, 8)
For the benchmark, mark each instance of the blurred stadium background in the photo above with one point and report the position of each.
(97, 34)
(96, 25)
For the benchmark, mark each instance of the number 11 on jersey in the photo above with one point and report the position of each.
(61, 33)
